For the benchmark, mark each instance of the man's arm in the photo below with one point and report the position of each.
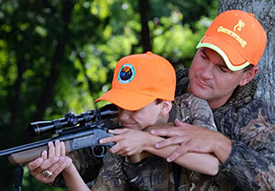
(252, 161)
(249, 158)
(252, 131)
(193, 138)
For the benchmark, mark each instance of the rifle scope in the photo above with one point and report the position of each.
(42, 127)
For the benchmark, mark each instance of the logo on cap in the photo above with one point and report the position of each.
(234, 35)
(126, 73)
(239, 25)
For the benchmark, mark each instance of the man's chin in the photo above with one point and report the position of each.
(200, 93)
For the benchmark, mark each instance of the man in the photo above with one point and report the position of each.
(221, 73)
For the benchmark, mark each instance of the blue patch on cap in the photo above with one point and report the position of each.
(126, 73)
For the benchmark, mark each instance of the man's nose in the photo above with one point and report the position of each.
(208, 71)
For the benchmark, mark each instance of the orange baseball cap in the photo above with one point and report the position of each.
(139, 79)
(238, 37)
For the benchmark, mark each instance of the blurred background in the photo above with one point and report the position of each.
(58, 56)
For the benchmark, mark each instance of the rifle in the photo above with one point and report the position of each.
(76, 131)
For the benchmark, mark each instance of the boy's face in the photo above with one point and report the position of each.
(210, 79)
(151, 114)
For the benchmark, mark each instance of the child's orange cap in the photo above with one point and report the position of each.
(238, 37)
(139, 79)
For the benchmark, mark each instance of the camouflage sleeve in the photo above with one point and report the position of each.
(111, 176)
(195, 111)
(251, 164)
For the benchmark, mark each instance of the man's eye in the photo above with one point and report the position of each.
(203, 56)
(224, 69)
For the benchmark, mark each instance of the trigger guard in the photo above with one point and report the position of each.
(102, 153)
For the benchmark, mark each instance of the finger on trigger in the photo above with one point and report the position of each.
(107, 140)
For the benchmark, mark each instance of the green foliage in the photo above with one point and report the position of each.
(58, 56)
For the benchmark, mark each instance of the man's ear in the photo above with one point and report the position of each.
(249, 75)
(166, 106)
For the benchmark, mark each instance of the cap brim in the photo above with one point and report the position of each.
(130, 100)
(226, 52)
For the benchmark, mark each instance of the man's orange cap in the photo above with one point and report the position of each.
(238, 37)
(139, 79)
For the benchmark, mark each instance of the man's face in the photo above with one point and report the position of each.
(139, 119)
(210, 79)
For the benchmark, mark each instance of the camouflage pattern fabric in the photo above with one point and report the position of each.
(193, 110)
(250, 124)
(152, 173)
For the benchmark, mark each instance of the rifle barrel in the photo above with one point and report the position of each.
(45, 142)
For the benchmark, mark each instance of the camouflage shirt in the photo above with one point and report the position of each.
(151, 173)
(154, 173)
(250, 124)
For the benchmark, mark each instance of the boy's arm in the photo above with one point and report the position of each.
(200, 162)
(130, 142)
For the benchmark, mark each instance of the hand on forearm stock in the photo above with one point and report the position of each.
(50, 164)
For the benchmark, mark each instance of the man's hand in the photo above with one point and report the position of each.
(193, 139)
(53, 161)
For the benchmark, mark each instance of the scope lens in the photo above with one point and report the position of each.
(40, 128)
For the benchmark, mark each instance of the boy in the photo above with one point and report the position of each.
(143, 88)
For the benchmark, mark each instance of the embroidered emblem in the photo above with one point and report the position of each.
(126, 73)
(234, 35)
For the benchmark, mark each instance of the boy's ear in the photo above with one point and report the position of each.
(166, 106)
(249, 75)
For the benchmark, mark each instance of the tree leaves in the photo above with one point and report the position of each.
(58, 56)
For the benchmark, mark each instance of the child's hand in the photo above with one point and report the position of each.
(128, 141)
